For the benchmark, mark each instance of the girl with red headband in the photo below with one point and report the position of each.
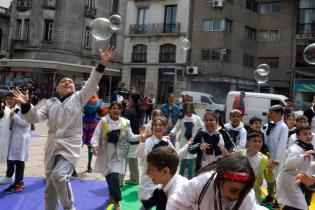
(224, 185)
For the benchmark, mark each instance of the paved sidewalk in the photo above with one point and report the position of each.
(34, 167)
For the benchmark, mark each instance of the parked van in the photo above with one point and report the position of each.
(212, 104)
(256, 104)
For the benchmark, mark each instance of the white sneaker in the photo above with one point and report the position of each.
(6, 180)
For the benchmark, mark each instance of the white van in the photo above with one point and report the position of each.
(256, 104)
(211, 102)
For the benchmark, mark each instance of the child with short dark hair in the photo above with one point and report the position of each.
(225, 184)
(236, 128)
(276, 136)
(255, 124)
(258, 160)
(300, 157)
(162, 166)
(301, 121)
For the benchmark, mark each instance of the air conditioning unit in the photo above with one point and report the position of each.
(192, 70)
(217, 3)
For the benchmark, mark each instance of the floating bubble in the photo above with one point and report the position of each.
(101, 29)
(309, 54)
(115, 20)
(265, 67)
(223, 51)
(185, 44)
(260, 76)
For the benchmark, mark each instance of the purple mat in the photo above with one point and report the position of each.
(88, 195)
(33, 135)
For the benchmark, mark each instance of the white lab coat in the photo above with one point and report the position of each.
(112, 157)
(5, 135)
(173, 184)
(242, 136)
(147, 186)
(186, 197)
(198, 124)
(289, 192)
(64, 122)
(20, 137)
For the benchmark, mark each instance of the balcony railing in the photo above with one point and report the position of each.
(154, 28)
(49, 4)
(4, 11)
(90, 12)
(306, 28)
(23, 5)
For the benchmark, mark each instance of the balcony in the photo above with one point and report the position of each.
(49, 4)
(155, 29)
(90, 12)
(306, 28)
(23, 5)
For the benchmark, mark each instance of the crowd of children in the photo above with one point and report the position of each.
(227, 164)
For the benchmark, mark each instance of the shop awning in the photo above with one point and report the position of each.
(304, 85)
(54, 66)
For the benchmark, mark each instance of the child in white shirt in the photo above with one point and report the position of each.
(236, 129)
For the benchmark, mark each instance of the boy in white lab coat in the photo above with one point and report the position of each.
(300, 157)
(64, 143)
(162, 166)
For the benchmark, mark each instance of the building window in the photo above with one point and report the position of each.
(115, 6)
(216, 55)
(113, 39)
(306, 18)
(273, 62)
(251, 5)
(170, 18)
(19, 29)
(269, 35)
(26, 29)
(48, 30)
(248, 60)
(90, 3)
(217, 25)
(250, 33)
(270, 7)
(167, 53)
(50, 3)
(87, 37)
(139, 54)
(142, 20)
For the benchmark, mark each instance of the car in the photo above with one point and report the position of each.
(4, 89)
(210, 103)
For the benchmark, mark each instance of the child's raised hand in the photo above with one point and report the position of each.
(272, 164)
(190, 141)
(305, 178)
(19, 97)
(143, 134)
(95, 151)
(308, 154)
(107, 55)
(205, 146)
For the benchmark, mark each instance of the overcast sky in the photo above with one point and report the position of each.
(5, 3)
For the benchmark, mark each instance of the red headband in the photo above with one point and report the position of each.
(236, 176)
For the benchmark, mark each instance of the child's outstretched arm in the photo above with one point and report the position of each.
(90, 87)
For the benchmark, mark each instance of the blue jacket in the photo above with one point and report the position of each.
(173, 112)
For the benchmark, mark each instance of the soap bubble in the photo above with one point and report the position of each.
(115, 20)
(185, 44)
(309, 54)
(265, 68)
(101, 29)
(223, 51)
(260, 76)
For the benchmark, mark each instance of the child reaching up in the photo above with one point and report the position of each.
(226, 184)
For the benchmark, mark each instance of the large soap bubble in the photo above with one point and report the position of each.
(265, 67)
(309, 54)
(101, 28)
(260, 76)
(115, 20)
(185, 44)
